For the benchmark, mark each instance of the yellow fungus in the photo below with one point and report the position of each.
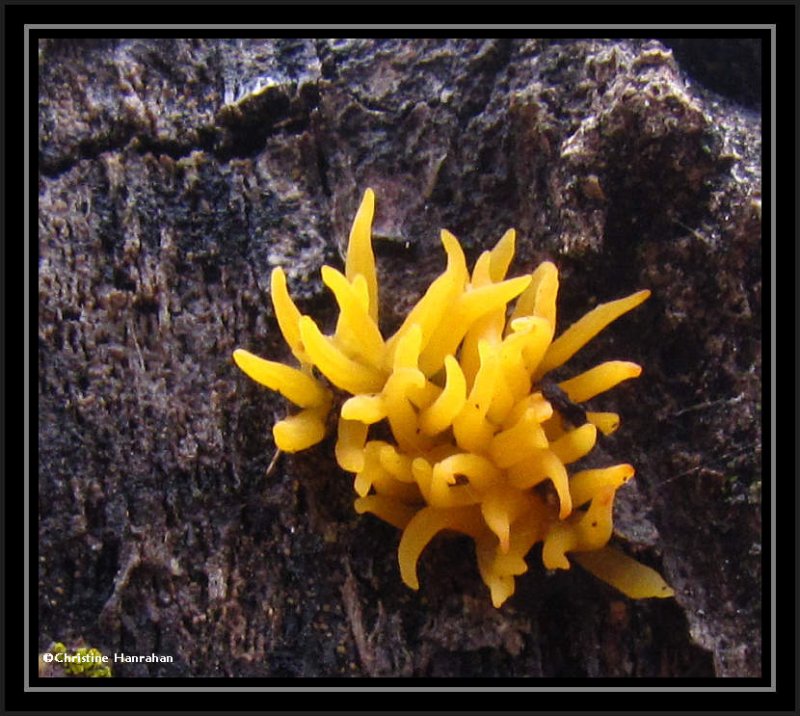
(500, 506)
(360, 258)
(342, 371)
(480, 272)
(395, 513)
(440, 415)
(352, 438)
(396, 464)
(539, 298)
(586, 531)
(470, 306)
(356, 332)
(300, 431)
(371, 470)
(429, 312)
(606, 423)
(585, 484)
(519, 442)
(469, 442)
(480, 472)
(424, 526)
(581, 332)
(572, 446)
(292, 384)
(630, 577)
(501, 255)
(287, 315)
(366, 408)
(400, 413)
(599, 379)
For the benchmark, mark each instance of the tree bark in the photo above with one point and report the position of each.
(176, 174)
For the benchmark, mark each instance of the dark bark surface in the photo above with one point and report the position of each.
(174, 175)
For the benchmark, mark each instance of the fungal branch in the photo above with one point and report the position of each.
(482, 441)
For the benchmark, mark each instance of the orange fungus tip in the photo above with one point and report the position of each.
(474, 436)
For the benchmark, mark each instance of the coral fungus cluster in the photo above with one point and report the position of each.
(481, 440)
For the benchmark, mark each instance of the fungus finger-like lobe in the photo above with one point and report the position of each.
(351, 444)
(368, 408)
(398, 465)
(479, 471)
(287, 315)
(500, 506)
(606, 423)
(470, 307)
(341, 370)
(395, 513)
(440, 415)
(589, 530)
(475, 437)
(360, 257)
(501, 256)
(400, 413)
(599, 379)
(300, 431)
(430, 310)
(356, 331)
(539, 298)
(575, 444)
(424, 526)
(519, 442)
(586, 328)
(294, 385)
(584, 485)
(630, 577)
